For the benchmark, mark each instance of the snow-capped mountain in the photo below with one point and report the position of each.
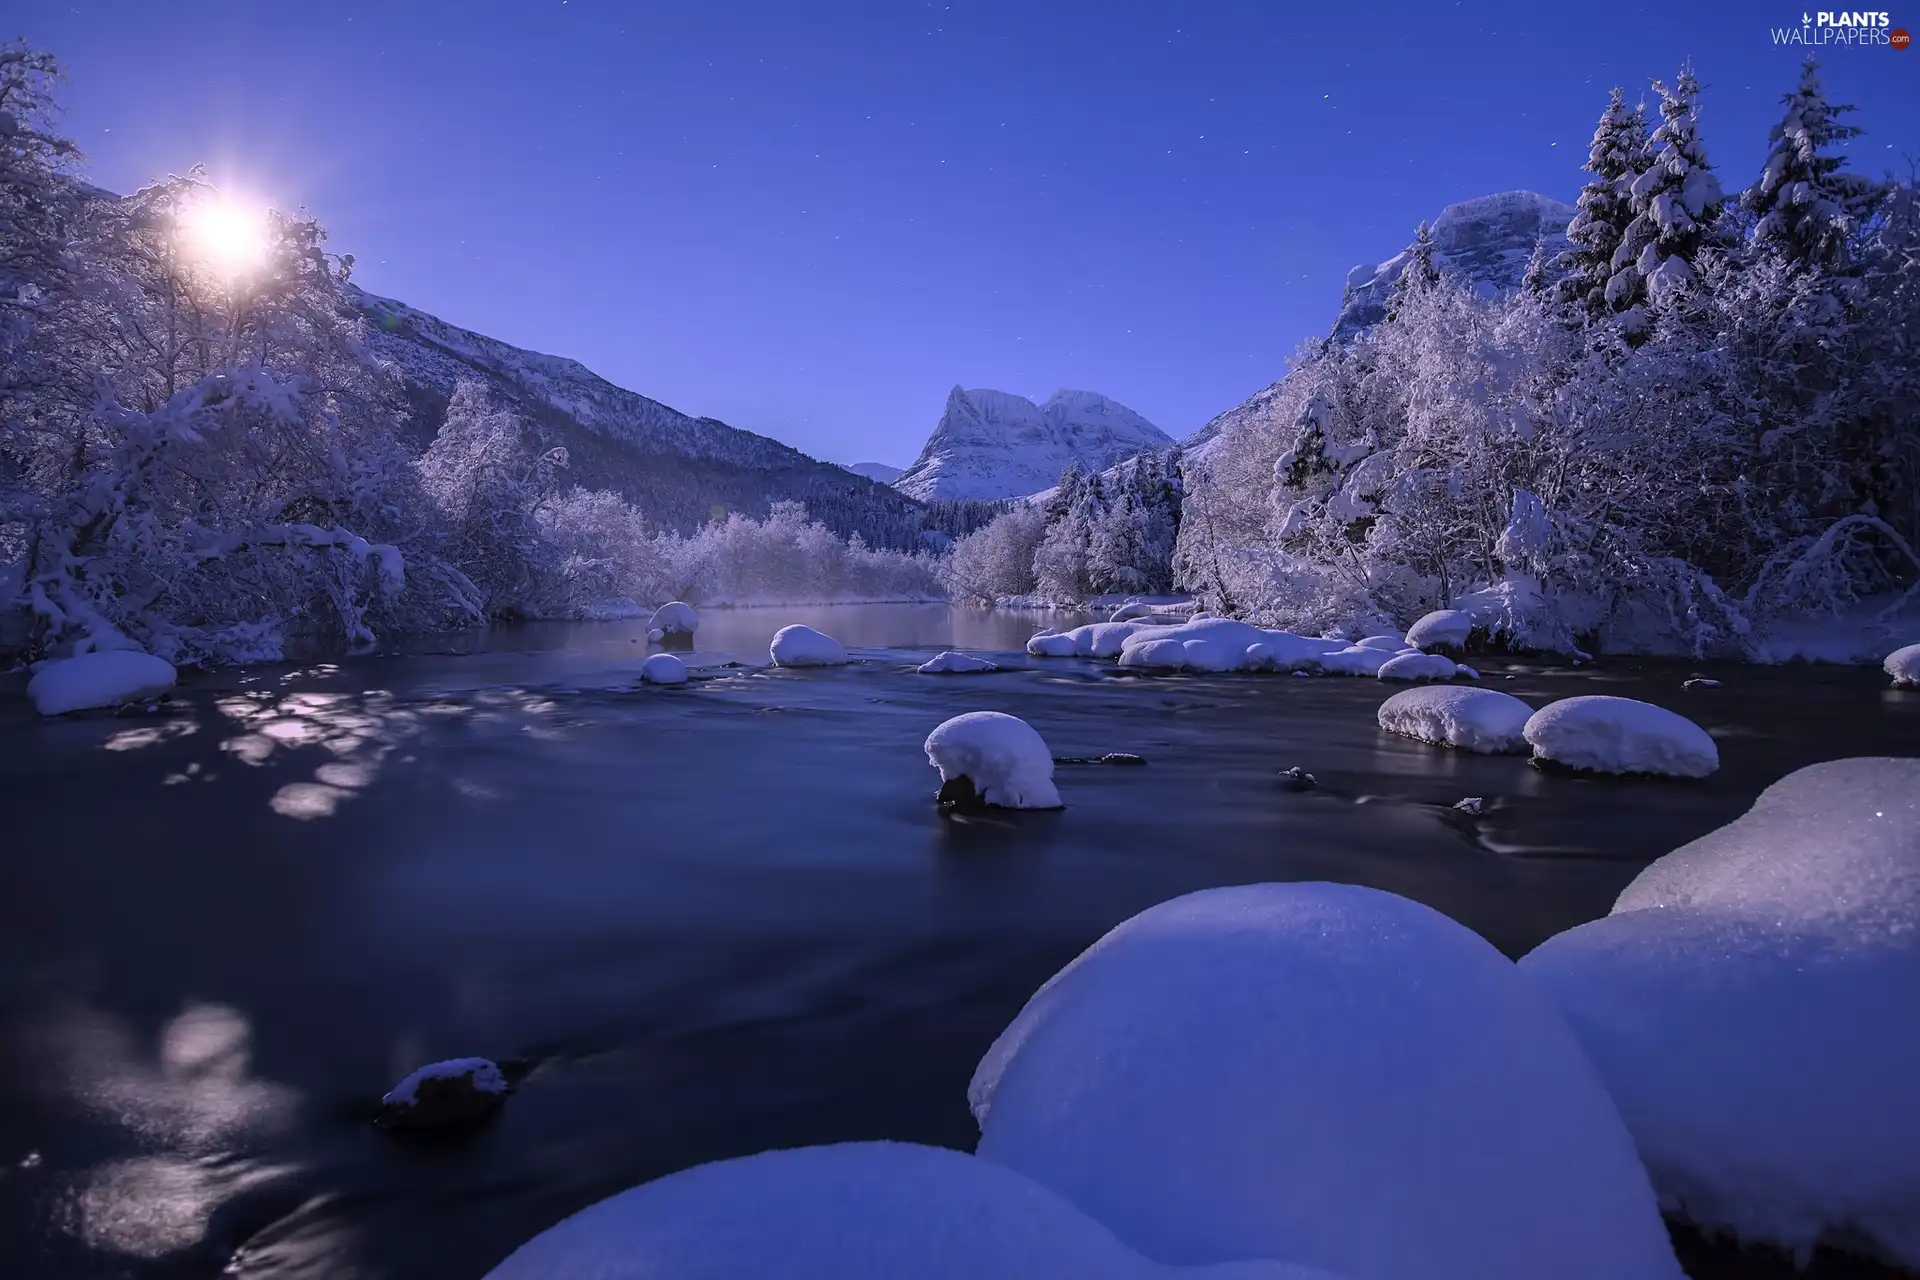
(681, 470)
(1486, 240)
(993, 445)
(878, 472)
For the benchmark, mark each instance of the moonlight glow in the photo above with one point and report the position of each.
(228, 235)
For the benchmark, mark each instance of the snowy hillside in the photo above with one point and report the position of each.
(681, 470)
(878, 472)
(993, 445)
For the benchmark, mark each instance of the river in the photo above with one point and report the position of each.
(708, 919)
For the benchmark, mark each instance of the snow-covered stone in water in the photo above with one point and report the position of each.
(1482, 720)
(454, 1091)
(663, 668)
(1130, 610)
(1443, 628)
(1095, 640)
(952, 663)
(675, 621)
(1750, 1004)
(1621, 735)
(1904, 666)
(104, 678)
(1221, 644)
(1699, 682)
(1052, 644)
(1385, 643)
(1003, 757)
(1423, 666)
(801, 646)
(655, 635)
(1472, 806)
(857, 1211)
(1360, 660)
(1324, 1073)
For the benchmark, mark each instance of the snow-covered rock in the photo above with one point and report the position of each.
(453, 1091)
(1130, 610)
(1423, 666)
(857, 1211)
(1002, 756)
(655, 635)
(1052, 644)
(1221, 644)
(1360, 660)
(1095, 640)
(1447, 628)
(1386, 643)
(675, 618)
(1324, 1073)
(955, 664)
(663, 668)
(801, 646)
(1621, 735)
(995, 445)
(104, 678)
(1904, 666)
(1750, 1004)
(1482, 720)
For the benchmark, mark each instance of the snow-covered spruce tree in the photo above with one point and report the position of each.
(1130, 550)
(1616, 157)
(1808, 209)
(1420, 273)
(38, 205)
(1674, 203)
(1062, 568)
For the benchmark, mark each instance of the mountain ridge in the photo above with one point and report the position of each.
(994, 445)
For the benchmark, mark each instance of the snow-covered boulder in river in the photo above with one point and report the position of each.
(1424, 666)
(105, 678)
(1441, 629)
(1904, 666)
(951, 663)
(1482, 720)
(675, 622)
(1621, 735)
(451, 1092)
(663, 668)
(995, 445)
(1324, 1073)
(1750, 1003)
(856, 1211)
(1002, 758)
(801, 646)
(1221, 644)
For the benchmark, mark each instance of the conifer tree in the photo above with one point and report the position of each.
(1675, 202)
(1616, 157)
(1419, 273)
(1807, 208)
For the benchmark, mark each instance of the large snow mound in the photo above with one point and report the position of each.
(801, 646)
(950, 662)
(1482, 720)
(1221, 644)
(103, 679)
(1449, 627)
(1358, 660)
(663, 668)
(1095, 640)
(857, 1211)
(1423, 666)
(1003, 756)
(1750, 1003)
(1324, 1073)
(1904, 666)
(674, 616)
(1621, 735)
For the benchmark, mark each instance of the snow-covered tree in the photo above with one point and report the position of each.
(1616, 157)
(1419, 274)
(1674, 203)
(1808, 209)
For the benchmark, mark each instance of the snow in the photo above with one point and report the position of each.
(663, 668)
(1424, 666)
(1359, 660)
(1325, 1073)
(1481, 720)
(482, 1073)
(1130, 610)
(1904, 666)
(801, 646)
(674, 617)
(1221, 644)
(855, 1211)
(1051, 644)
(1003, 756)
(1621, 735)
(104, 678)
(1749, 1003)
(1449, 627)
(655, 635)
(952, 663)
(1386, 643)
(1095, 640)
(996, 445)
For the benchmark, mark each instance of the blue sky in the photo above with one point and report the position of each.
(812, 219)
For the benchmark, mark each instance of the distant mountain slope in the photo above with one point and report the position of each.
(878, 472)
(680, 470)
(994, 445)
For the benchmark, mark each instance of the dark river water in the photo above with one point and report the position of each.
(709, 919)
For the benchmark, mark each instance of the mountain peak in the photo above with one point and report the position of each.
(995, 444)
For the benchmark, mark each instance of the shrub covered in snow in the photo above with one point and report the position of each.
(1904, 666)
(1324, 1073)
(1003, 757)
(1621, 735)
(676, 617)
(663, 668)
(955, 664)
(1443, 628)
(1750, 1003)
(1423, 666)
(858, 1211)
(105, 678)
(1482, 720)
(801, 646)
